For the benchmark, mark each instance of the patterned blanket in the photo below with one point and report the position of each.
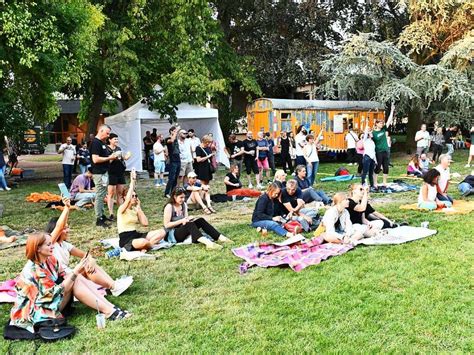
(297, 256)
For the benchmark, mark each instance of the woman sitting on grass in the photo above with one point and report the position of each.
(180, 225)
(413, 167)
(309, 193)
(427, 197)
(234, 186)
(58, 228)
(336, 225)
(44, 289)
(263, 217)
(198, 194)
(130, 216)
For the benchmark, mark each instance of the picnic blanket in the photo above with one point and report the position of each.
(297, 256)
(21, 237)
(459, 207)
(399, 235)
(338, 178)
(42, 197)
(7, 291)
(394, 187)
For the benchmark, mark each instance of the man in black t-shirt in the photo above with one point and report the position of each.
(148, 146)
(235, 151)
(175, 161)
(294, 206)
(249, 146)
(100, 166)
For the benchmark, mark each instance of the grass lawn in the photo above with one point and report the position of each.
(415, 297)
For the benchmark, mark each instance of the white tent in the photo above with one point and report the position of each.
(130, 125)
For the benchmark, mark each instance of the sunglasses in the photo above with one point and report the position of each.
(134, 196)
(180, 190)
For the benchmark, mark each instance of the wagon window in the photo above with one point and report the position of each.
(285, 115)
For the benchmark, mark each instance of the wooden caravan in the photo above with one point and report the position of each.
(334, 117)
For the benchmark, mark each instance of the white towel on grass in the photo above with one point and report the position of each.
(399, 235)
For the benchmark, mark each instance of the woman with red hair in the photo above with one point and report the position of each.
(43, 288)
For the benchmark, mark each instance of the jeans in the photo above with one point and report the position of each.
(437, 150)
(3, 182)
(312, 171)
(450, 148)
(271, 226)
(83, 168)
(368, 168)
(67, 175)
(83, 198)
(444, 198)
(174, 168)
(310, 195)
(465, 189)
(300, 160)
(101, 182)
(271, 162)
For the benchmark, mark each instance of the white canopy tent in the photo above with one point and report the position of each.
(130, 125)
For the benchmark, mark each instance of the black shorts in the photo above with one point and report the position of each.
(382, 162)
(116, 179)
(126, 239)
(251, 166)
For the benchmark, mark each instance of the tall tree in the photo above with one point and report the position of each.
(43, 47)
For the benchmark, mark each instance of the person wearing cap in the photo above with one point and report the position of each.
(193, 140)
(185, 155)
(381, 148)
(172, 146)
(81, 189)
(198, 194)
(444, 177)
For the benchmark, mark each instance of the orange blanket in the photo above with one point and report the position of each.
(459, 207)
(43, 197)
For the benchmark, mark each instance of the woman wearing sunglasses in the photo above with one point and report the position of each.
(58, 228)
(130, 216)
(180, 225)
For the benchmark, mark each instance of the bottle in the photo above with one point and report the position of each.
(114, 253)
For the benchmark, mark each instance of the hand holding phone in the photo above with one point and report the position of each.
(64, 191)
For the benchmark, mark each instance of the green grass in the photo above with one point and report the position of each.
(415, 297)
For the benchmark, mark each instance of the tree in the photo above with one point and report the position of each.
(43, 47)
(175, 44)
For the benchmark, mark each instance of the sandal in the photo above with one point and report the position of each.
(212, 209)
(118, 314)
(207, 210)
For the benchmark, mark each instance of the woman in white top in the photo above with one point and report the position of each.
(427, 197)
(369, 159)
(336, 223)
(310, 152)
(58, 228)
(300, 142)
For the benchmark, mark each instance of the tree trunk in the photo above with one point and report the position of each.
(95, 108)
(415, 118)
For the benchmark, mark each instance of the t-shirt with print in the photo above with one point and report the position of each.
(233, 180)
(234, 148)
(249, 146)
(262, 154)
(99, 148)
(356, 217)
(69, 153)
(380, 140)
(292, 199)
(62, 253)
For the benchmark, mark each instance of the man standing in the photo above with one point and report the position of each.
(148, 146)
(81, 190)
(235, 151)
(159, 160)
(250, 158)
(174, 158)
(185, 155)
(381, 147)
(422, 139)
(443, 180)
(68, 150)
(193, 140)
(100, 166)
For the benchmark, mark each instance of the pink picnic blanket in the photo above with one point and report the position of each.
(297, 256)
(7, 291)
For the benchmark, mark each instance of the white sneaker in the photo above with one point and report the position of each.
(467, 166)
(259, 186)
(121, 285)
(1, 189)
(349, 164)
(250, 186)
(157, 185)
(7, 188)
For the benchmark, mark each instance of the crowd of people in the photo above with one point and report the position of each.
(287, 207)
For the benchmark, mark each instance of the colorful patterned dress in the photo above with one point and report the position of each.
(38, 295)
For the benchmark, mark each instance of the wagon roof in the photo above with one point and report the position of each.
(288, 104)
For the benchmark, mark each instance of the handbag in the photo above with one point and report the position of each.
(293, 227)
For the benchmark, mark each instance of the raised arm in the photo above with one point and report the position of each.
(62, 221)
(131, 189)
(390, 117)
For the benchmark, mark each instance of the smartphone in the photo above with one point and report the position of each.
(64, 191)
(87, 254)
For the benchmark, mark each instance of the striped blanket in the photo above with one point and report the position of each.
(297, 256)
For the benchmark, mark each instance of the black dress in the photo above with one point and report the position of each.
(203, 168)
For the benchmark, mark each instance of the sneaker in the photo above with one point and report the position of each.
(102, 223)
(259, 187)
(114, 253)
(108, 219)
(250, 186)
(7, 188)
(157, 185)
(349, 164)
(467, 165)
(111, 217)
(121, 285)
(167, 196)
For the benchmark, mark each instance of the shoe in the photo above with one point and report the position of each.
(250, 186)
(111, 218)
(7, 188)
(167, 196)
(108, 219)
(213, 246)
(467, 165)
(102, 223)
(259, 187)
(350, 164)
(1, 189)
(157, 185)
(121, 285)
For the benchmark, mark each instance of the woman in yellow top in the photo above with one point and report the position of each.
(129, 217)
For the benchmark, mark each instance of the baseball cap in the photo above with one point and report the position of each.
(183, 131)
(192, 174)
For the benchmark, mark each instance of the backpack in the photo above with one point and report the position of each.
(342, 171)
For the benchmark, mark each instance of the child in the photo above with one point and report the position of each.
(413, 167)
(427, 198)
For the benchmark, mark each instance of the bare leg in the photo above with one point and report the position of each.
(385, 177)
(141, 244)
(111, 189)
(101, 278)
(90, 297)
(196, 198)
(119, 194)
(155, 236)
(207, 197)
